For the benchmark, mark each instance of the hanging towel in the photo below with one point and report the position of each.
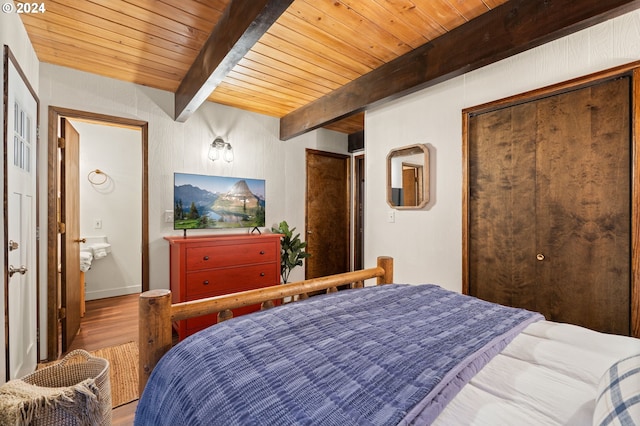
(85, 260)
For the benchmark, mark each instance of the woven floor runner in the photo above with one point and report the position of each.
(123, 361)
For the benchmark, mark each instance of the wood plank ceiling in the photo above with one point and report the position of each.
(315, 47)
(312, 51)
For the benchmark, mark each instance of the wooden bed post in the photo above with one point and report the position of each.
(386, 263)
(154, 331)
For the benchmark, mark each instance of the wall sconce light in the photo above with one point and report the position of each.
(220, 149)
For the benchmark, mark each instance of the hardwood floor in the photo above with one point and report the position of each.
(109, 322)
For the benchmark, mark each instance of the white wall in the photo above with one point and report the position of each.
(13, 34)
(427, 243)
(116, 204)
(295, 175)
(183, 147)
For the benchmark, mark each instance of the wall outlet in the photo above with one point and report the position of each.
(391, 216)
(97, 224)
(168, 216)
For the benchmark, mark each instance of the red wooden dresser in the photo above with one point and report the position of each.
(206, 266)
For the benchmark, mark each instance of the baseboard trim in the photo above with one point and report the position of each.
(112, 292)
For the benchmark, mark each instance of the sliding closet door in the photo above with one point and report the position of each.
(583, 206)
(502, 171)
(549, 206)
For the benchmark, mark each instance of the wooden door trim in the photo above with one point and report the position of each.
(52, 208)
(309, 151)
(632, 70)
(358, 249)
(635, 204)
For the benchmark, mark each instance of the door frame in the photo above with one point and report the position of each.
(8, 57)
(359, 176)
(52, 209)
(633, 71)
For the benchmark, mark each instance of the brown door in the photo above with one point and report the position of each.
(70, 238)
(549, 209)
(410, 184)
(328, 213)
(502, 206)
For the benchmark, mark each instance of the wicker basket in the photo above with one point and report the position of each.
(76, 367)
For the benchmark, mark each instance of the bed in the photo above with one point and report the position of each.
(387, 354)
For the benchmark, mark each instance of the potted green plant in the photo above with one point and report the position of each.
(292, 249)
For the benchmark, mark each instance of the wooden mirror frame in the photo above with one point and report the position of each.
(422, 197)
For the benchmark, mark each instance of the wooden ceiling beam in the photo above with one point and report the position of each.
(239, 28)
(509, 29)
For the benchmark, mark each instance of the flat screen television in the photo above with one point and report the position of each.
(217, 202)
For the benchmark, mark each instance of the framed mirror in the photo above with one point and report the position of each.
(408, 177)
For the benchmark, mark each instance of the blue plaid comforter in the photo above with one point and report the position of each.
(394, 354)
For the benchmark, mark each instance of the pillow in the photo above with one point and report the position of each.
(618, 397)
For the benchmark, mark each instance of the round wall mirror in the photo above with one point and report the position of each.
(408, 177)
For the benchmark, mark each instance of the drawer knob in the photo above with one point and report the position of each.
(205, 282)
(261, 251)
(205, 258)
(262, 274)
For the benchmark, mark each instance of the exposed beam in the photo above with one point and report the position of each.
(240, 27)
(511, 28)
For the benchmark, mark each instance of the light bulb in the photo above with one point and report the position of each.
(228, 153)
(214, 152)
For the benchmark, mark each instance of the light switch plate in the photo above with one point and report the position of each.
(391, 216)
(168, 216)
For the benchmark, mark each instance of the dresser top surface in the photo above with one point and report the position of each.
(179, 239)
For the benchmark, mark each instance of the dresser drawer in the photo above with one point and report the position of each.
(215, 282)
(198, 258)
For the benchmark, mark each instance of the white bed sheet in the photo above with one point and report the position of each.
(548, 375)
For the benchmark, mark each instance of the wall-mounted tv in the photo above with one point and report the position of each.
(217, 202)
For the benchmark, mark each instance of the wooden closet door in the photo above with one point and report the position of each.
(502, 206)
(549, 206)
(583, 206)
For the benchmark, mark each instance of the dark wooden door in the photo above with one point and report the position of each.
(549, 209)
(502, 206)
(328, 213)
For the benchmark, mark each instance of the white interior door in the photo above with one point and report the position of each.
(21, 221)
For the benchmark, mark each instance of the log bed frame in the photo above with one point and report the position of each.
(157, 314)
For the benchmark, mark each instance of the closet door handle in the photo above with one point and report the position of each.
(540, 256)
